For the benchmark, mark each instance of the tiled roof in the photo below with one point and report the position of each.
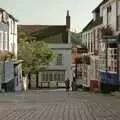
(93, 23)
(43, 31)
(98, 21)
(97, 8)
(87, 27)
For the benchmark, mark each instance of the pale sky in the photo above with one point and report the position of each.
(48, 12)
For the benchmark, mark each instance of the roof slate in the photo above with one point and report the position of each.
(98, 21)
(93, 23)
(102, 3)
(43, 31)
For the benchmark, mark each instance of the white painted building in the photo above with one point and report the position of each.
(60, 68)
(110, 11)
(8, 42)
(8, 32)
(111, 14)
(91, 36)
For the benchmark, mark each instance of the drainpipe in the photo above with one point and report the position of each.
(76, 69)
(106, 55)
(118, 62)
(5, 86)
(37, 79)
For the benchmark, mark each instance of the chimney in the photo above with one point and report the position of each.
(68, 20)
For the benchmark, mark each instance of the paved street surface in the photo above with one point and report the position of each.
(58, 105)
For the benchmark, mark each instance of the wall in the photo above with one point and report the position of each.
(113, 13)
(12, 36)
(86, 39)
(65, 50)
(3, 29)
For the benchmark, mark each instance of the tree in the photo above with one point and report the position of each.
(34, 54)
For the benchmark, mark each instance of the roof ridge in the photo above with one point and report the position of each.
(38, 25)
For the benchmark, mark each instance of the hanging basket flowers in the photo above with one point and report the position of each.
(85, 59)
(107, 31)
(78, 60)
(6, 55)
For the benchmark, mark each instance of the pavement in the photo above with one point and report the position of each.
(116, 94)
(58, 105)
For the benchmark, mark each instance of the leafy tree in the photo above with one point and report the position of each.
(34, 54)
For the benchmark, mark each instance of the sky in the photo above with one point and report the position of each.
(51, 12)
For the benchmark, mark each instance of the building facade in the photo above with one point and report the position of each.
(11, 70)
(8, 32)
(99, 36)
(111, 14)
(91, 36)
(58, 39)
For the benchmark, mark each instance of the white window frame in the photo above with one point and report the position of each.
(5, 41)
(59, 60)
(1, 40)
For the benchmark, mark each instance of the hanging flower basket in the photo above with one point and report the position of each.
(6, 55)
(86, 59)
(107, 31)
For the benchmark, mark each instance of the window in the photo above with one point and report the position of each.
(115, 51)
(11, 26)
(109, 9)
(115, 69)
(118, 5)
(14, 27)
(118, 23)
(1, 40)
(109, 15)
(115, 56)
(63, 76)
(113, 45)
(43, 76)
(50, 76)
(59, 59)
(118, 16)
(53, 76)
(59, 77)
(5, 41)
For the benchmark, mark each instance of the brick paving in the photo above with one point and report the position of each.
(58, 105)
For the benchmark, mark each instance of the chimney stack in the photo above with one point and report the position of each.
(68, 20)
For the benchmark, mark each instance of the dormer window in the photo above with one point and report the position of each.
(118, 16)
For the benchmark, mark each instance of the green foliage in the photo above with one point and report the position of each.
(75, 38)
(34, 54)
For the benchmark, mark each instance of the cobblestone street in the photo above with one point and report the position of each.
(58, 105)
